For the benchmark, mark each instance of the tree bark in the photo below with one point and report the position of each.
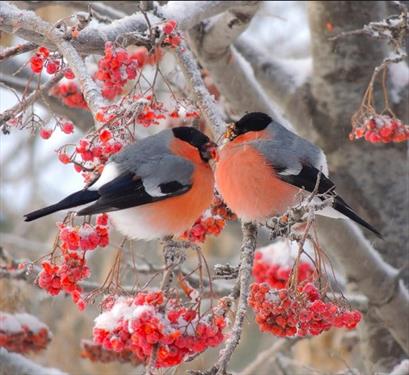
(373, 178)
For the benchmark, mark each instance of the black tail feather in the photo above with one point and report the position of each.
(76, 199)
(341, 206)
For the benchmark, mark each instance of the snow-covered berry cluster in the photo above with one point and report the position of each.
(285, 297)
(114, 70)
(98, 151)
(381, 129)
(141, 323)
(298, 312)
(74, 242)
(273, 264)
(23, 333)
(212, 221)
(52, 63)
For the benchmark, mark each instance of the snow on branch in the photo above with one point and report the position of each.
(228, 69)
(31, 22)
(92, 39)
(202, 97)
(16, 364)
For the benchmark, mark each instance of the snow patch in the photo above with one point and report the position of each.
(399, 78)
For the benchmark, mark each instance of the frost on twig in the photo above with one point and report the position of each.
(202, 97)
(17, 50)
(20, 107)
(247, 251)
(392, 29)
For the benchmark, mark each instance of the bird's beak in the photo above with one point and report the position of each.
(230, 132)
(210, 151)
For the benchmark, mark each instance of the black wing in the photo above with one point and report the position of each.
(307, 179)
(126, 191)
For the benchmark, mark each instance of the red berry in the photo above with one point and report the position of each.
(43, 51)
(37, 63)
(169, 26)
(64, 158)
(67, 127)
(52, 66)
(45, 133)
(69, 74)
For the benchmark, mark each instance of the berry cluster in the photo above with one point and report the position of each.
(141, 110)
(141, 323)
(115, 69)
(52, 63)
(96, 353)
(23, 333)
(99, 151)
(65, 277)
(151, 113)
(73, 242)
(172, 38)
(70, 94)
(273, 264)
(298, 312)
(381, 129)
(212, 221)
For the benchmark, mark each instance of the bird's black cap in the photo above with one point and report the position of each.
(196, 138)
(253, 121)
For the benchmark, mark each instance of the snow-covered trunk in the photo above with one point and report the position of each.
(373, 178)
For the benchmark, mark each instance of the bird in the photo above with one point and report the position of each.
(263, 167)
(156, 187)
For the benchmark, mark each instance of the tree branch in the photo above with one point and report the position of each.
(271, 73)
(92, 39)
(202, 97)
(212, 44)
(16, 364)
(31, 22)
(80, 117)
(17, 50)
(247, 250)
(268, 355)
(30, 99)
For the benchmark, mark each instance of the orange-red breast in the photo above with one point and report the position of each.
(264, 167)
(155, 187)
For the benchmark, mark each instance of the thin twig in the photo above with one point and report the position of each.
(30, 99)
(17, 50)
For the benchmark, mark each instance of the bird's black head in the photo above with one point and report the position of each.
(253, 121)
(197, 139)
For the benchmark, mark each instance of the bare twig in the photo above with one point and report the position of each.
(17, 50)
(268, 355)
(30, 99)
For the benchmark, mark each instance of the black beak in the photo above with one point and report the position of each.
(209, 151)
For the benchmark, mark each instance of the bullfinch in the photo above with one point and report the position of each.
(155, 187)
(264, 167)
